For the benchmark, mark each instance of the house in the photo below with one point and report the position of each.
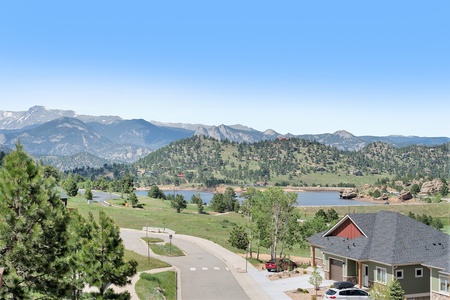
(378, 247)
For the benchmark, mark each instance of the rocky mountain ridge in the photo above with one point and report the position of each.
(62, 133)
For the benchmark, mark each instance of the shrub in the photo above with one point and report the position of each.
(149, 277)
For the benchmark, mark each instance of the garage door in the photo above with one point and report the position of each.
(335, 270)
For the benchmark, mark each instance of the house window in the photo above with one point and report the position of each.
(399, 274)
(381, 274)
(419, 272)
(443, 284)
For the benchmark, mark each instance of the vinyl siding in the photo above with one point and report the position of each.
(372, 270)
(351, 268)
(411, 284)
(435, 280)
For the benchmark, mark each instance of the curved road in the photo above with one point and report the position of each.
(203, 275)
(100, 196)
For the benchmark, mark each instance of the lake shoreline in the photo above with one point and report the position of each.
(222, 188)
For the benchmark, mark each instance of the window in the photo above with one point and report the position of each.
(443, 284)
(419, 272)
(381, 274)
(399, 274)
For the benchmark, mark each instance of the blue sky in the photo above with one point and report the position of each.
(369, 67)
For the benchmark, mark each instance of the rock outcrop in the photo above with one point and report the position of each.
(431, 187)
(347, 194)
(405, 195)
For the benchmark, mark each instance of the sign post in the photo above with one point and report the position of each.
(170, 240)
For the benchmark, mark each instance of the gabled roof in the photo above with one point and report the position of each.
(338, 224)
(390, 238)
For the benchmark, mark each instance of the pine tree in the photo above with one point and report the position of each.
(77, 247)
(395, 291)
(70, 185)
(103, 256)
(88, 193)
(33, 240)
(133, 199)
(178, 202)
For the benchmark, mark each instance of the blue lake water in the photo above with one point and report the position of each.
(304, 198)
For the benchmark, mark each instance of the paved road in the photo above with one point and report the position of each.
(101, 197)
(203, 275)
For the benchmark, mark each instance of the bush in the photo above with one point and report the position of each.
(238, 237)
(149, 277)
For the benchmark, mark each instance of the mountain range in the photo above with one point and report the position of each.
(65, 139)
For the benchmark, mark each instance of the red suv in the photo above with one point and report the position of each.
(280, 265)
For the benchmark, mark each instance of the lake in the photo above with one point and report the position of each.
(304, 198)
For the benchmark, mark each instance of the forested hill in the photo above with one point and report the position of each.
(288, 162)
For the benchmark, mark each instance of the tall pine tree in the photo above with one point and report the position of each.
(33, 235)
(103, 258)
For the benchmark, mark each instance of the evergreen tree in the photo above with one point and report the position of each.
(178, 202)
(33, 239)
(218, 203)
(103, 258)
(133, 199)
(77, 251)
(156, 192)
(238, 237)
(70, 185)
(395, 291)
(88, 193)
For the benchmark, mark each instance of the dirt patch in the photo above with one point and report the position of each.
(265, 257)
(301, 295)
(288, 274)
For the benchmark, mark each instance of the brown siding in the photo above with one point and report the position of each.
(347, 230)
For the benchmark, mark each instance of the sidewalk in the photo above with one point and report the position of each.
(254, 282)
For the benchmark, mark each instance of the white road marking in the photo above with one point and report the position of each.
(193, 269)
(205, 269)
(217, 268)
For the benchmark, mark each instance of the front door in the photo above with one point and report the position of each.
(365, 275)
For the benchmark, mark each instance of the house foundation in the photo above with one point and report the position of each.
(437, 296)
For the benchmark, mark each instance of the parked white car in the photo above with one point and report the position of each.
(347, 294)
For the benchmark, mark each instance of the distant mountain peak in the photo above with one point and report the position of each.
(241, 127)
(344, 134)
(270, 132)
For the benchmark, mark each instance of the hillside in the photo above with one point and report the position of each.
(288, 162)
(61, 134)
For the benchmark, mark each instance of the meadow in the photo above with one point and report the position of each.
(217, 227)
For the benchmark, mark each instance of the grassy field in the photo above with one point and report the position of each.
(145, 263)
(157, 286)
(217, 227)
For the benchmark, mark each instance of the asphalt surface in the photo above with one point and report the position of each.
(202, 274)
(101, 197)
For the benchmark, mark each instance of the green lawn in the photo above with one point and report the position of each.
(145, 263)
(166, 250)
(157, 286)
(217, 227)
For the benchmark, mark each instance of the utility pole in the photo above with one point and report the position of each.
(148, 245)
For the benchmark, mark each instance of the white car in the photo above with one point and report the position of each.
(348, 294)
